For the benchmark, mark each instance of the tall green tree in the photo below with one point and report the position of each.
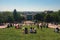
(15, 15)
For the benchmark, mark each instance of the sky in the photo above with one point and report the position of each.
(29, 5)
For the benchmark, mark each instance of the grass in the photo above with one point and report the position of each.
(16, 34)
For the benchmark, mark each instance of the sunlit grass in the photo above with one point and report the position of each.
(17, 34)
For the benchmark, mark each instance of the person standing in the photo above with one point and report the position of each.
(38, 25)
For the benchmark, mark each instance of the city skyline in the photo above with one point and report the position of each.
(29, 5)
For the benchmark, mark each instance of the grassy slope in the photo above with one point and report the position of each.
(16, 34)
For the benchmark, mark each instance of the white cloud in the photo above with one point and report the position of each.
(4, 8)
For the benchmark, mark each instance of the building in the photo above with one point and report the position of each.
(29, 15)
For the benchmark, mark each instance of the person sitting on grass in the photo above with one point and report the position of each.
(26, 30)
(34, 30)
(31, 30)
(56, 30)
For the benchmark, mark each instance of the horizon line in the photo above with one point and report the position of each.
(28, 10)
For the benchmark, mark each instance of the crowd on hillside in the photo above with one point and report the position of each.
(31, 29)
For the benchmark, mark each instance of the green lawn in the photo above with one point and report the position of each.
(16, 34)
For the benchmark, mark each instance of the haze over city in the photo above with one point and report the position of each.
(29, 5)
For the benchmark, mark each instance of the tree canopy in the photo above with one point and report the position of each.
(15, 16)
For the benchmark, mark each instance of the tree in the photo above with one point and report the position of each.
(1, 19)
(15, 15)
(39, 17)
(10, 19)
(50, 17)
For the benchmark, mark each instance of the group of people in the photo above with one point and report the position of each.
(17, 26)
(32, 30)
(42, 25)
(9, 25)
(25, 29)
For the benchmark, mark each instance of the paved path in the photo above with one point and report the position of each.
(53, 26)
(28, 22)
(3, 26)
